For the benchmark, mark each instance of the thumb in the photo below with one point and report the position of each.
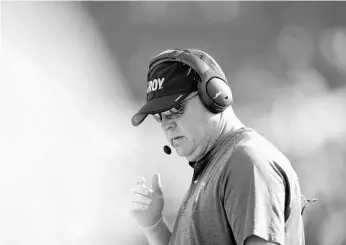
(156, 184)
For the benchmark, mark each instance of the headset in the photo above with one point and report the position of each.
(213, 90)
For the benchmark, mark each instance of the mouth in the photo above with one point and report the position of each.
(175, 139)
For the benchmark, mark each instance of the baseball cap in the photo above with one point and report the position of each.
(169, 83)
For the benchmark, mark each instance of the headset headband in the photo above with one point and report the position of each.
(185, 57)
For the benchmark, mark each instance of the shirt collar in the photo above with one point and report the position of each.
(204, 159)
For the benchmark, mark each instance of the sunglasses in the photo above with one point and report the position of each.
(174, 112)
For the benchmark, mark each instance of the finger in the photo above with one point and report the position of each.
(141, 199)
(156, 184)
(141, 190)
(139, 206)
(140, 181)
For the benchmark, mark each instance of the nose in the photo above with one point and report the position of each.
(167, 124)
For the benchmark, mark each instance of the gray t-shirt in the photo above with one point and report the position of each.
(244, 186)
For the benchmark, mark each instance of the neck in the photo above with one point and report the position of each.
(227, 124)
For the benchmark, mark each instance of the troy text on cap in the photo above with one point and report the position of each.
(155, 84)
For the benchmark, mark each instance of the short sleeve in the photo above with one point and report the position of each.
(253, 196)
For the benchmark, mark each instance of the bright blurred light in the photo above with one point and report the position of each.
(307, 82)
(65, 166)
(333, 46)
(295, 46)
(1, 25)
(339, 44)
(303, 125)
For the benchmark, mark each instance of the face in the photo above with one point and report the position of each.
(190, 128)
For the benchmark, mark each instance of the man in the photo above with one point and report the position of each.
(243, 190)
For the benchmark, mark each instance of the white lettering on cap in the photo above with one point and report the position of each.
(155, 84)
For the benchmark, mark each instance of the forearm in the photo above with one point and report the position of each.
(158, 234)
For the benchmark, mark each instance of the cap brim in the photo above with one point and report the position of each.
(157, 105)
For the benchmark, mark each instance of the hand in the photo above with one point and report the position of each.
(147, 204)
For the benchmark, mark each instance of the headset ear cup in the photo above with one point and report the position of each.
(203, 95)
(215, 94)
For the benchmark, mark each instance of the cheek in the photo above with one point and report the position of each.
(193, 129)
(192, 123)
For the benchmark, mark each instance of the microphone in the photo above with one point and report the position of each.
(167, 150)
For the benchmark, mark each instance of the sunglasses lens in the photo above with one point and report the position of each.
(176, 111)
(157, 117)
(178, 108)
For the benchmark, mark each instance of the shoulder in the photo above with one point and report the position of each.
(256, 149)
(254, 155)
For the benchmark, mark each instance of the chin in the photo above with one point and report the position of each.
(194, 154)
(186, 154)
(182, 152)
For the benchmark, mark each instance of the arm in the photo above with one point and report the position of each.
(158, 234)
(255, 240)
(147, 206)
(254, 198)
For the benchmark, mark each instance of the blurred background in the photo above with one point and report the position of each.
(73, 74)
